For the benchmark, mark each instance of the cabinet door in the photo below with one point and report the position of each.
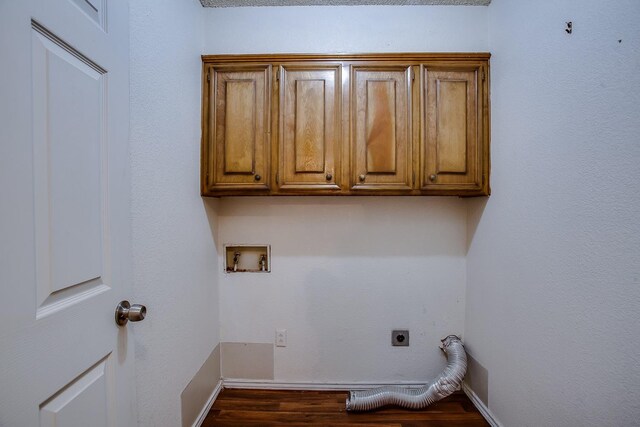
(451, 158)
(381, 128)
(310, 130)
(236, 148)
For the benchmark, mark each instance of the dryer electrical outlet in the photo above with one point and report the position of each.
(400, 338)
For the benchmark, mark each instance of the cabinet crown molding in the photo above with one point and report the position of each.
(383, 57)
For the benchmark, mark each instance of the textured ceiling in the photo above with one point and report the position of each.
(240, 3)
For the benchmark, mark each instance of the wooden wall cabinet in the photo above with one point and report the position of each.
(368, 124)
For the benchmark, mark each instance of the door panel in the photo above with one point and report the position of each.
(451, 126)
(450, 152)
(240, 127)
(309, 138)
(69, 138)
(65, 248)
(94, 10)
(310, 128)
(380, 128)
(86, 399)
(381, 120)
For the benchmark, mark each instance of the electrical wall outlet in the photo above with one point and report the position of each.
(281, 337)
(400, 338)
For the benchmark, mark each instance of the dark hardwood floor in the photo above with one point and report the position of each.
(327, 408)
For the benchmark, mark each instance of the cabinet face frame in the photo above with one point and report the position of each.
(309, 139)
(246, 81)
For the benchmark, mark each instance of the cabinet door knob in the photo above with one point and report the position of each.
(329, 177)
(257, 177)
(433, 178)
(362, 177)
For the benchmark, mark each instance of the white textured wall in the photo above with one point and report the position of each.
(350, 29)
(553, 291)
(347, 270)
(174, 252)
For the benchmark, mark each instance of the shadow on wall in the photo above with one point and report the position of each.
(475, 210)
(348, 227)
(211, 207)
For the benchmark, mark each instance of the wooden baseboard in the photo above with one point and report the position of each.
(295, 385)
(484, 410)
(205, 410)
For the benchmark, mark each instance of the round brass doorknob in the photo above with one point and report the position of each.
(433, 178)
(362, 177)
(257, 177)
(329, 177)
(126, 312)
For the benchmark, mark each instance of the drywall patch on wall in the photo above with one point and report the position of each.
(553, 278)
(477, 379)
(241, 360)
(196, 394)
(174, 251)
(352, 29)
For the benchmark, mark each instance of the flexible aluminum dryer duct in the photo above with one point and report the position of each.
(446, 383)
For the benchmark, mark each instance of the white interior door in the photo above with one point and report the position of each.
(65, 234)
